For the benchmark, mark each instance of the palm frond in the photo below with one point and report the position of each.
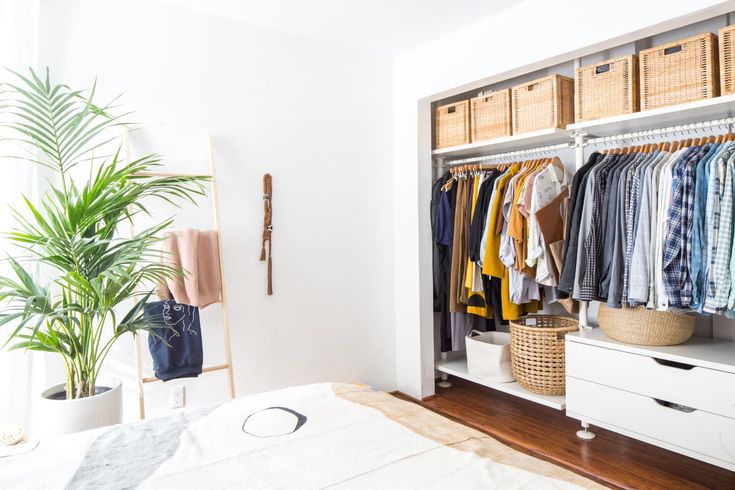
(75, 229)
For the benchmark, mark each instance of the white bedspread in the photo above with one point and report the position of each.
(315, 436)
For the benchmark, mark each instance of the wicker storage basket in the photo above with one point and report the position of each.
(543, 104)
(606, 89)
(641, 326)
(727, 60)
(490, 115)
(453, 124)
(537, 352)
(678, 72)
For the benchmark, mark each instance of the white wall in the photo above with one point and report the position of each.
(532, 35)
(317, 117)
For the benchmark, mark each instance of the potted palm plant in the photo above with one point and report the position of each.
(76, 284)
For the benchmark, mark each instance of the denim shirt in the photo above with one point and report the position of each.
(699, 252)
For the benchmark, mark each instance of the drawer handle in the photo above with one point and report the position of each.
(674, 406)
(673, 49)
(602, 69)
(674, 364)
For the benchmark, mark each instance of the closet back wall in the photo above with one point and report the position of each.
(317, 117)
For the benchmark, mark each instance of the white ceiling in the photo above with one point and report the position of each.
(385, 27)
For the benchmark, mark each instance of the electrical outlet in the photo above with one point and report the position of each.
(177, 397)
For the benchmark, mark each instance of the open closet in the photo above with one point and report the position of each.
(585, 184)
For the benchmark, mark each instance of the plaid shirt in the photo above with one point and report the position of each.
(712, 224)
(690, 199)
(677, 251)
(640, 276)
(719, 279)
(699, 237)
(631, 207)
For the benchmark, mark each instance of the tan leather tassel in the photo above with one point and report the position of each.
(270, 276)
(268, 228)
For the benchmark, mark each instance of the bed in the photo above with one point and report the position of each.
(314, 436)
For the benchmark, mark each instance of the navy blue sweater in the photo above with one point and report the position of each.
(180, 329)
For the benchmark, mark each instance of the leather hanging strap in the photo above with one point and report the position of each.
(268, 227)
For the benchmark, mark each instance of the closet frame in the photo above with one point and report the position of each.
(579, 141)
(214, 196)
(683, 121)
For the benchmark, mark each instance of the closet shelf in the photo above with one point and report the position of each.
(506, 143)
(691, 112)
(458, 367)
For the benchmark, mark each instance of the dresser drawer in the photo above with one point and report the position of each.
(701, 388)
(702, 432)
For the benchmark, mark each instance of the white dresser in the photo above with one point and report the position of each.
(681, 398)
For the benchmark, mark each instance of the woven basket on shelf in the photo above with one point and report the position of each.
(727, 60)
(543, 104)
(537, 352)
(453, 124)
(490, 115)
(641, 326)
(606, 89)
(679, 72)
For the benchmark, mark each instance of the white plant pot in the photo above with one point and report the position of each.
(59, 417)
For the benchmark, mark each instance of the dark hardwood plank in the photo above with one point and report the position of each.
(611, 459)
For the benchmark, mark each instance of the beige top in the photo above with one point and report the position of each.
(197, 253)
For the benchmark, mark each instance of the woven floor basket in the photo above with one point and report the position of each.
(537, 352)
(641, 326)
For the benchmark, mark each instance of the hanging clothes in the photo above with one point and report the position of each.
(611, 223)
(698, 228)
(639, 287)
(442, 222)
(459, 248)
(573, 223)
(550, 221)
(490, 250)
(436, 199)
(462, 321)
(483, 292)
(476, 303)
(719, 225)
(549, 185)
(665, 216)
(492, 266)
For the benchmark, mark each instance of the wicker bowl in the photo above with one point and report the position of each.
(641, 326)
(537, 352)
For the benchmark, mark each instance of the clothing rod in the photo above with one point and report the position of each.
(507, 155)
(649, 133)
(728, 121)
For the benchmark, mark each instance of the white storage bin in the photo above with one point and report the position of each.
(488, 356)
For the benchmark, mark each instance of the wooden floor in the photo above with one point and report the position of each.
(611, 459)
